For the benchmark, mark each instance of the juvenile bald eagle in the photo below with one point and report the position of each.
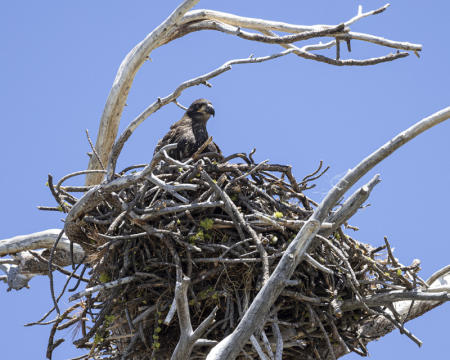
(190, 132)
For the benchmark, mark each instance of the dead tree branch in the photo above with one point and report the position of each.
(115, 103)
(259, 233)
(23, 266)
(182, 22)
(253, 319)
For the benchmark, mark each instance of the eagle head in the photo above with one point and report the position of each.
(200, 109)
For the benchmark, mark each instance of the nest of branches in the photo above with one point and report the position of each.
(203, 237)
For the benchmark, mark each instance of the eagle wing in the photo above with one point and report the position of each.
(213, 147)
(189, 133)
(180, 133)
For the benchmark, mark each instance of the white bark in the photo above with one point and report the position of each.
(108, 285)
(117, 97)
(23, 266)
(407, 309)
(38, 240)
(253, 319)
(179, 23)
(183, 21)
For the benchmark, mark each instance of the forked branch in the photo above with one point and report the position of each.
(117, 97)
(254, 318)
(182, 22)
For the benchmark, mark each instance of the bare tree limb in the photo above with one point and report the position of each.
(352, 204)
(442, 275)
(406, 310)
(253, 319)
(264, 25)
(188, 337)
(23, 266)
(38, 240)
(182, 22)
(112, 112)
(395, 296)
(286, 39)
(305, 52)
(109, 285)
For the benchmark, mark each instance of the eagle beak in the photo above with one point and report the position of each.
(210, 110)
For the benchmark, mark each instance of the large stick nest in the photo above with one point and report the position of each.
(217, 224)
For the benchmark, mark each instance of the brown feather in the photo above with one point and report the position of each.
(190, 132)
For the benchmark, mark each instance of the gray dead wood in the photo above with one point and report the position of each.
(23, 266)
(254, 317)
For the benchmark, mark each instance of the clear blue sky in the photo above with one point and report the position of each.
(59, 59)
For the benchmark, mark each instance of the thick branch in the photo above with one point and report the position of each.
(385, 299)
(286, 39)
(373, 159)
(247, 22)
(253, 319)
(109, 122)
(38, 240)
(352, 204)
(23, 266)
(177, 25)
(264, 25)
(406, 310)
(188, 337)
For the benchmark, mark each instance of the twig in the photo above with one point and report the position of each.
(94, 150)
(322, 329)
(171, 312)
(201, 148)
(56, 196)
(52, 345)
(179, 105)
(172, 189)
(314, 263)
(77, 173)
(50, 271)
(267, 345)
(402, 329)
(336, 334)
(59, 268)
(109, 285)
(142, 316)
(396, 295)
(180, 208)
(352, 204)
(257, 348)
(79, 278)
(226, 199)
(279, 339)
